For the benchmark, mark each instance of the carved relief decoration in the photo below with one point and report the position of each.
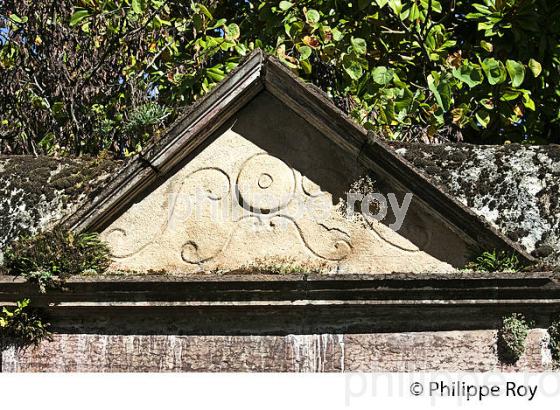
(236, 202)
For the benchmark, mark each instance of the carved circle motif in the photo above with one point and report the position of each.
(265, 184)
(265, 181)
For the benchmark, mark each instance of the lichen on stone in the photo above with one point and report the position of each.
(36, 193)
(514, 187)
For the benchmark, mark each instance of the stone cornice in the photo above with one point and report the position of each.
(262, 304)
(292, 289)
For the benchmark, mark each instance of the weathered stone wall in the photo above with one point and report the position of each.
(36, 193)
(394, 352)
(515, 187)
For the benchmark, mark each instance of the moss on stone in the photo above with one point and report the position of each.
(35, 193)
(514, 187)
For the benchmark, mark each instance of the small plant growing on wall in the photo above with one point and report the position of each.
(495, 261)
(284, 266)
(21, 326)
(49, 258)
(554, 342)
(512, 337)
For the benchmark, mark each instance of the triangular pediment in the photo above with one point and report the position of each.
(265, 173)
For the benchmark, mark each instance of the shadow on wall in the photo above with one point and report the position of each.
(297, 158)
(284, 320)
(268, 123)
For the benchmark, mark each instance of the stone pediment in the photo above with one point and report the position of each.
(265, 173)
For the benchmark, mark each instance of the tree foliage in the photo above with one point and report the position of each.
(88, 76)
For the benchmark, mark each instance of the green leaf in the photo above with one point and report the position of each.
(313, 16)
(436, 5)
(232, 31)
(293, 29)
(204, 10)
(535, 67)
(516, 72)
(337, 35)
(306, 66)
(510, 95)
(382, 75)
(396, 6)
(433, 89)
(218, 23)
(446, 95)
(285, 5)
(359, 45)
(241, 49)
(487, 46)
(487, 103)
(58, 108)
(528, 102)
(494, 70)
(483, 118)
(413, 12)
(226, 45)
(138, 6)
(469, 74)
(442, 92)
(17, 19)
(215, 74)
(78, 16)
(352, 67)
(304, 52)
